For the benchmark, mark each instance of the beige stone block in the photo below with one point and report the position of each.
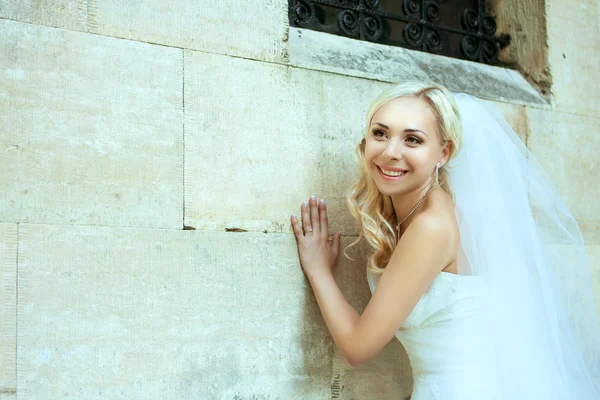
(593, 252)
(574, 55)
(262, 138)
(8, 307)
(167, 314)
(525, 22)
(251, 29)
(91, 129)
(516, 117)
(590, 230)
(579, 284)
(566, 147)
(387, 375)
(70, 14)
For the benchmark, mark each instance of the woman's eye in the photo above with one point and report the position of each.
(411, 139)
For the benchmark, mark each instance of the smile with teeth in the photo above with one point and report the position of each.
(391, 173)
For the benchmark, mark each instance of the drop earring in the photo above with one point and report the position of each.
(437, 167)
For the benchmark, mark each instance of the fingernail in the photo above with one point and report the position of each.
(322, 201)
(306, 204)
(313, 197)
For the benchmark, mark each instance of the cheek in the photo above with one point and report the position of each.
(369, 151)
(373, 146)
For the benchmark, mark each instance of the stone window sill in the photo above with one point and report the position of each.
(325, 52)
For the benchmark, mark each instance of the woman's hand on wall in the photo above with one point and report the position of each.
(317, 255)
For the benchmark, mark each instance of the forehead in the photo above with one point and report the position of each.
(406, 112)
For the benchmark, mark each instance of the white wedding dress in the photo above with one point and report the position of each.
(445, 342)
(524, 325)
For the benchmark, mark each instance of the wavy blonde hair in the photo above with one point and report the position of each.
(373, 210)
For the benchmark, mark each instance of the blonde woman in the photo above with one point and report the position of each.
(461, 220)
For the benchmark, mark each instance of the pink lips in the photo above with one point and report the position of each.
(391, 178)
(391, 168)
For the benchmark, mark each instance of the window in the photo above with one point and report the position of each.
(454, 28)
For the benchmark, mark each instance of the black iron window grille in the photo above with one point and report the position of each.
(454, 28)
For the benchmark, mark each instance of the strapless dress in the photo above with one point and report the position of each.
(445, 340)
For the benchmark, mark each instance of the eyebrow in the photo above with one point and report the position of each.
(406, 130)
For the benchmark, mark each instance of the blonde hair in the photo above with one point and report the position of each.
(373, 210)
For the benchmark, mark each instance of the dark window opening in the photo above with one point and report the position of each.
(454, 28)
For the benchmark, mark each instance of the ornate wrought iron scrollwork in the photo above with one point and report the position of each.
(302, 13)
(423, 27)
(479, 43)
(417, 34)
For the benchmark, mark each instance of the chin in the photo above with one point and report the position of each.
(390, 191)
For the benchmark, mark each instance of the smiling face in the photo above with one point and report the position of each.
(403, 137)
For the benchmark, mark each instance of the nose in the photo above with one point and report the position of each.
(392, 151)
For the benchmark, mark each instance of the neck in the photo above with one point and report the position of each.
(405, 203)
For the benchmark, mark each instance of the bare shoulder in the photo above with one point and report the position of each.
(439, 228)
(440, 220)
(443, 215)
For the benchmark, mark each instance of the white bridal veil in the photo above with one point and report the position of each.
(518, 235)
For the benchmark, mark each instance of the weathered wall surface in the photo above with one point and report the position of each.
(565, 139)
(121, 123)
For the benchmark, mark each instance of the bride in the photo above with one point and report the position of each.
(477, 268)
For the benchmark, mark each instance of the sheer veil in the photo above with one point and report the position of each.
(518, 235)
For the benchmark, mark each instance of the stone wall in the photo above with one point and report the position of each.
(150, 157)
